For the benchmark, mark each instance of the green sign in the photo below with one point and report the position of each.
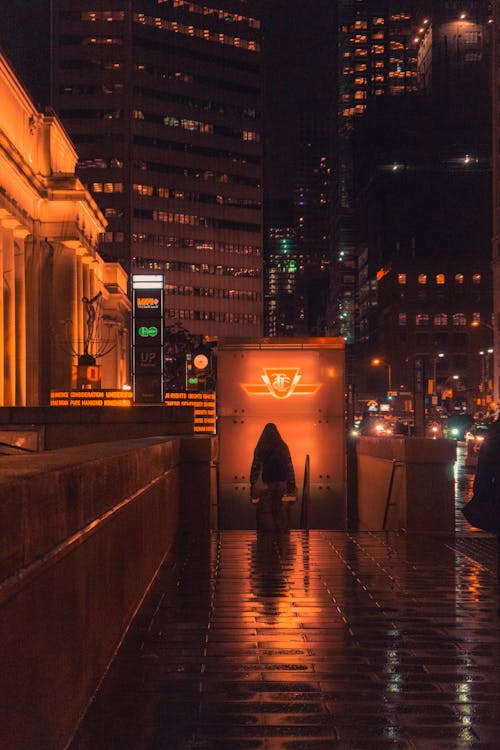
(147, 332)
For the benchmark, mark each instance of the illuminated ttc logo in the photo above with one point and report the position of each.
(281, 382)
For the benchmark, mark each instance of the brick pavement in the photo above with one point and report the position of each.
(310, 641)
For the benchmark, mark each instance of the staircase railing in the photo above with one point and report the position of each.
(306, 496)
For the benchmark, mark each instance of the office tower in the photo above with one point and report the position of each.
(299, 84)
(423, 206)
(312, 216)
(281, 311)
(162, 100)
(376, 58)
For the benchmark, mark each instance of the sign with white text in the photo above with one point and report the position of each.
(147, 337)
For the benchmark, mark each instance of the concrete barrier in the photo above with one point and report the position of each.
(63, 426)
(83, 532)
(419, 473)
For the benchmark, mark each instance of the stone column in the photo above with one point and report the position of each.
(9, 318)
(80, 292)
(20, 314)
(2, 347)
(33, 253)
(64, 316)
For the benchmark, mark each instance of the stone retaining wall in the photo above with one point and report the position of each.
(83, 532)
(423, 494)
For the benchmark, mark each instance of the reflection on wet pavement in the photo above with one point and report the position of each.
(310, 641)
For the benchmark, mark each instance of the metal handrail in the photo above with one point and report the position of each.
(389, 490)
(306, 496)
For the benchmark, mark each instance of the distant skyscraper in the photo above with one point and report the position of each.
(423, 205)
(376, 57)
(281, 304)
(299, 103)
(312, 216)
(162, 99)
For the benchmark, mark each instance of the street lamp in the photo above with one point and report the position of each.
(477, 323)
(376, 361)
(435, 359)
(485, 374)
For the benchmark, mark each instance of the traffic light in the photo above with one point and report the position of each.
(197, 369)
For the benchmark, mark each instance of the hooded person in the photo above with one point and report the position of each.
(271, 476)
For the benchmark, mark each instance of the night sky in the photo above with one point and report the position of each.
(25, 40)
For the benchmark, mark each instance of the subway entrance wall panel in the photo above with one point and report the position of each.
(299, 385)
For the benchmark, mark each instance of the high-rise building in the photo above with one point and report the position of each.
(299, 85)
(312, 216)
(423, 206)
(281, 308)
(376, 58)
(162, 99)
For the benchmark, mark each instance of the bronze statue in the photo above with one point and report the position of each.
(90, 306)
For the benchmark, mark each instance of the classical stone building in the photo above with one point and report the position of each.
(49, 232)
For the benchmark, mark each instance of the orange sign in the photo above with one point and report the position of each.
(281, 382)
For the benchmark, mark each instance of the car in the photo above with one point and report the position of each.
(457, 425)
(474, 438)
(375, 425)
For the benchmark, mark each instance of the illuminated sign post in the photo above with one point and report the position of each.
(147, 341)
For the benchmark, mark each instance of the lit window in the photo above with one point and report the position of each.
(401, 278)
(422, 278)
(476, 279)
(459, 278)
(422, 319)
(440, 278)
(459, 319)
(402, 319)
(476, 317)
(441, 319)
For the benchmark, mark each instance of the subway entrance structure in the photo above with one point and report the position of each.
(299, 384)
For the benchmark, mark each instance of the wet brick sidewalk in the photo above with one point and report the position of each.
(310, 641)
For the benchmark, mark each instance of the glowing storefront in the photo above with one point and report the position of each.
(49, 232)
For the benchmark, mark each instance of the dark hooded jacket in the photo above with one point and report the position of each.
(488, 461)
(271, 442)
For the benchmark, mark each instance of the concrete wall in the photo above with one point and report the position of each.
(83, 532)
(65, 426)
(422, 497)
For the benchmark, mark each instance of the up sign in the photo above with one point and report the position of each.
(147, 342)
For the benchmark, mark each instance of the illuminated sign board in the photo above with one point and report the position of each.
(148, 305)
(204, 408)
(148, 332)
(148, 361)
(91, 398)
(147, 342)
(281, 382)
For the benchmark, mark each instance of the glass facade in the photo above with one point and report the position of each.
(163, 103)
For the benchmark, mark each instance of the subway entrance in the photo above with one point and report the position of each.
(297, 384)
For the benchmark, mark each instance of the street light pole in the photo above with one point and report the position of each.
(486, 365)
(482, 354)
(435, 359)
(378, 361)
